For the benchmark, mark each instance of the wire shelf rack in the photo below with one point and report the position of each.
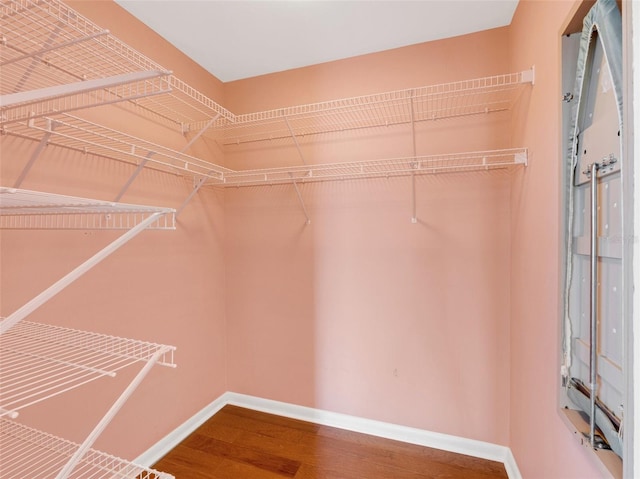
(420, 165)
(50, 54)
(447, 100)
(40, 361)
(76, 133)
(25, 209)
(28, 452)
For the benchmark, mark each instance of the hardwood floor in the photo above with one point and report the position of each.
(238, 443)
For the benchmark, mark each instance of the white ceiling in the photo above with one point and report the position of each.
(237, 39)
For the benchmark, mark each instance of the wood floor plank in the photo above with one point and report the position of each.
(247, 444)
(260, 459)
(187, 462)
(237, 470)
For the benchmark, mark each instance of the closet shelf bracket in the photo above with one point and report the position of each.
(47, 453)
(304, 208)
(91, 438)
(194, 191)
(200, 133)
(295, 140)
(35, 155)
(24, 209)
(135, 174)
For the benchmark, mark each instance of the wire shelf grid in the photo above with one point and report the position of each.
(39, 361)
(25, 209)
(447, 100)
(76, 133)
(420, 165)
(44, 43)
(27, 452)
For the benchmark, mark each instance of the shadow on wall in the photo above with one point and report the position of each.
(364, 313)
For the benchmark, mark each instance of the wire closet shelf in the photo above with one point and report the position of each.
(434, 102)
(55, 60)
(26, 209)
(27, 452)
(41, 361)
(420, 165)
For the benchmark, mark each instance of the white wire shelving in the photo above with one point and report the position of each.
(81, 135)
(26, 209)
(420, 165)
(55, 60)
(40, 361)
(434, 102)
(73, 132)
(29, 453)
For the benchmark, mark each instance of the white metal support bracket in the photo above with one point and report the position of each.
(200, 133)
(414, 218)
(304, 209)
(134, 176)
(195, 190)
(295, 140)
(36, 154)
(413, 126)
(69, 278)
(104, 422)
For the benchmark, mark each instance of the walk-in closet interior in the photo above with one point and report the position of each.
(403, 243)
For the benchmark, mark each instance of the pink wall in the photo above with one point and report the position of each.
(362, 312)
(450, 324)
(165, 287)
(543, 446)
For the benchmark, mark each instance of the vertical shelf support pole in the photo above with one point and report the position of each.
(134, 175)
(593, 364)
(414, 217)
(69, 278)
(304, 209)
(295, 140)
(104, 422)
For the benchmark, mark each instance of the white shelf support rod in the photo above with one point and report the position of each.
(75, 88)
(195, 190)
(69, 278)
(304, 208)
(200, 133)
(134, 176)
(104, 422)
(414, 217)
(34, 156)
(413, 128)
(55, 47)
(295, 140)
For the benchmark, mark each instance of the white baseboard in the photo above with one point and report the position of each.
(175, 437)
(470, 447)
